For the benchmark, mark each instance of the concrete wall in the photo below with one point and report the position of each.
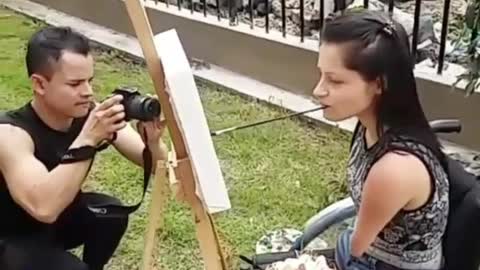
(440, 102)
(269, 58)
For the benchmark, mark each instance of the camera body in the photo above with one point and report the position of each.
(136, 106)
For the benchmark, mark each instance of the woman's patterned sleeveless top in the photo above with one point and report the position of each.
(413, 239)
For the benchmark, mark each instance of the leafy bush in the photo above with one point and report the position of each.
(469, 39)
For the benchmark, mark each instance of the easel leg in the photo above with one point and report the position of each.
(205, 228)
(208, 240)
(209, 245)
(155, 216)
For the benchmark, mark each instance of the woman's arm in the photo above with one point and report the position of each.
(395, 181)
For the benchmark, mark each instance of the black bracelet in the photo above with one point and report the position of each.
(78, 154)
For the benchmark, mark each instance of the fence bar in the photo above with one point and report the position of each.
(302, 20)
(365, 3)
(267, 19)
(416, 26)
(191, 6)
(474, 34)
(322, 16)
(390, 7)
(179, 4)
(322, 13)
(284, 19)
(218, 8)
(250, 9)
(443, 37)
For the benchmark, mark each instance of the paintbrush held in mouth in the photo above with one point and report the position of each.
(218, 132)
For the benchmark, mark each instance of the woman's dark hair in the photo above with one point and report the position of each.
(377, 47)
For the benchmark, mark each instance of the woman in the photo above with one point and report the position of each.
(396, 170)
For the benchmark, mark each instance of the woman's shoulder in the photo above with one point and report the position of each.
(401, 168)
(405, 178)
(399, 151)
(410, 145)
(408, 161)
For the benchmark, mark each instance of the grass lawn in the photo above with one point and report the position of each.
(278, 174)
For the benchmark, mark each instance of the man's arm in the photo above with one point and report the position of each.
(130, 145)
(43, 194)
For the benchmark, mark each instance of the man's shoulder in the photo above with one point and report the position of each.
(10, 123)
(9, 131)
(12, 135)
(8, 115)
(15, 142)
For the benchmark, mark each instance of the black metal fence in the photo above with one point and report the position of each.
(229, 9)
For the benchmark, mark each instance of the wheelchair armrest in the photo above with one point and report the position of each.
(330, 210)
(446, 125)
(319, 223)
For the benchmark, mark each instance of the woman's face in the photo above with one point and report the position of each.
(343, 90)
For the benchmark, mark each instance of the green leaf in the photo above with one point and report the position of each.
(477, 84)
(470, 88)
(470, 15)
(463, 76)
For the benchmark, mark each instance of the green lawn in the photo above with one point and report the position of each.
(278, 174)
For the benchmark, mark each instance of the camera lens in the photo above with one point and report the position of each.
(140, 107)
(150, 108)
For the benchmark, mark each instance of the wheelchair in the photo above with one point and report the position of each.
(461, 242)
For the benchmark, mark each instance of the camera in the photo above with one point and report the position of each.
(136, 106)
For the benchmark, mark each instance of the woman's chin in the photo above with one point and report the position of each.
(333, 117)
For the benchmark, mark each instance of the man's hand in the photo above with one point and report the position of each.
(103, 121)
(130, 143)
(151, 132)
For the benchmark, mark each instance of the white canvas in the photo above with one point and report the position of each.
(188, 109)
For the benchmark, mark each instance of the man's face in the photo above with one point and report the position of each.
(69, 90)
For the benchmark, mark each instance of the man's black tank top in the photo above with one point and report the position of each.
(49, 145)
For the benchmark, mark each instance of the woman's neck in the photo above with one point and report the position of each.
(369, 121)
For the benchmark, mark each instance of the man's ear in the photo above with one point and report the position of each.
(39, 84)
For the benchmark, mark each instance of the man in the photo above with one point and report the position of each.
(43, 210)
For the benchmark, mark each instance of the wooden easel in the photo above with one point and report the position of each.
(177, 172)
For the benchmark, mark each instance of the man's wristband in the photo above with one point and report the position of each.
(78, 154)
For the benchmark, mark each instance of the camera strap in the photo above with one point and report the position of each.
(117, 209)
(111, 209)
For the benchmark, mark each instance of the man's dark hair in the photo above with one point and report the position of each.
(46, 46)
